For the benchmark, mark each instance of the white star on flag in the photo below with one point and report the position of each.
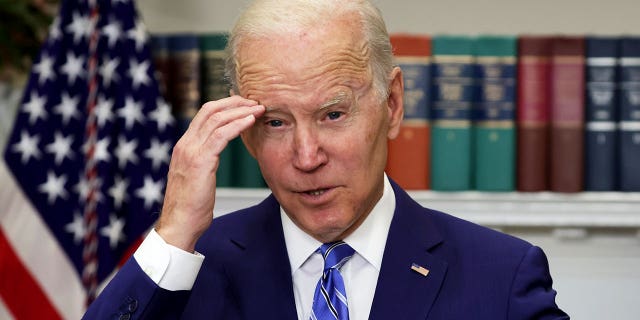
(162, 114)
(35, 108)
(119, 191)
(112, 31)
(131, 112)
(102, 150)
(44, 69)
(104, 111)
(60, 147)
(54, 187)
(113, 231)
(76, 227)
(108, 71)
(68, 108)
(151, 192)
(80, 27)
(158, 153)
(27, 147)
(139, 73)
(126, 151)
(138, 34)
(54, 30)
(73, 68)
(83, 186)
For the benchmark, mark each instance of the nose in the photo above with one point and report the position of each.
(309, 154)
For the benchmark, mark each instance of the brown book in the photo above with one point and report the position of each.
(533, 113)
(567, 114)
(408, 160)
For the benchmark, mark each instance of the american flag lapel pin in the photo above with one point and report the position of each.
(419, 269)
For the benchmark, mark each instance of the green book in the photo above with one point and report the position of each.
(213, 86)
(453, 95)
(245, 167)
(494, 113)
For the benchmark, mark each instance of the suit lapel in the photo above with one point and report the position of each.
(401, 292)
(265, 286)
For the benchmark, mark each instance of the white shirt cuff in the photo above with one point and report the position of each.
(169, 267)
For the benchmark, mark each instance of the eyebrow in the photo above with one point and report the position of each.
(339, 98)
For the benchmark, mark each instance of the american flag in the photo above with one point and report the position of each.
(85, 164)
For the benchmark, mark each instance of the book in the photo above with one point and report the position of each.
(601, 114)
(246, 172)
(567, 114)
(629, 120)
(494, 113)
(453, 94)
(532, 115)
(183, 84)
(160, 55)
(213, 86)
(408, 155)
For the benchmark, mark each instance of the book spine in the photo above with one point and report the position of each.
(601, 114)
(212, 63)
(629, 120)
(533, 113)
(184, 81)
(213, 86)
(408, 154)
(160, 55)
(246, 170)
(494, 113)
(567, 115)
(453, 94)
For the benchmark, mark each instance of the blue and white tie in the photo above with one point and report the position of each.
(330, 298)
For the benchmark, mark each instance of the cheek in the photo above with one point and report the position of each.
(272, 156)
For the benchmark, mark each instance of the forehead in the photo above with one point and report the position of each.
(332, 55)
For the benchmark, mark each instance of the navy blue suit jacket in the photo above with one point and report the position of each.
(474, 273)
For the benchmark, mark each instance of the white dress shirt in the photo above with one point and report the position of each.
(360, 273)
(175, 269)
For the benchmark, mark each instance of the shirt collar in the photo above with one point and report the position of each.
(368, 240)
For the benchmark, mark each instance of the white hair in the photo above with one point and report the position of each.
(264, 18)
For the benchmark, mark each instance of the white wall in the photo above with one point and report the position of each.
(597, 274)
(437, 16)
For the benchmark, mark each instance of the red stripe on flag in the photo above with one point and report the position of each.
(19, 290)
(131, 250)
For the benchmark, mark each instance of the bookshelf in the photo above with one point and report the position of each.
(553, 211)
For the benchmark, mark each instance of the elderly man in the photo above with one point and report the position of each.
(317, 99)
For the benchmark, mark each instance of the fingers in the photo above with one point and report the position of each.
(218, 122)
(213, 107)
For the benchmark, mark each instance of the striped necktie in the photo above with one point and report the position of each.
(330, 298)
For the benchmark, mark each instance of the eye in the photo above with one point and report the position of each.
(275, 123)
(334, 115)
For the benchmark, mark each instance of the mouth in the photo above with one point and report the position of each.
(316, 192)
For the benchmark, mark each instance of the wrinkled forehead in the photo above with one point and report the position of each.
(334, 51)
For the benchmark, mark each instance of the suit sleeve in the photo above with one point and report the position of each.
(532, 295)
(131, 294)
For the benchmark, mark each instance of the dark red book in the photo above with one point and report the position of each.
(567, 114)
(533, 113)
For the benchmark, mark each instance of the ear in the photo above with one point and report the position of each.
(395, 105)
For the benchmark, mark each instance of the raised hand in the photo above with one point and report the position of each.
(190, 196)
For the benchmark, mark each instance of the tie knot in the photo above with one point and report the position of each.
(335, 254)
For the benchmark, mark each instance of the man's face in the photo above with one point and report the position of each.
(322, 142)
